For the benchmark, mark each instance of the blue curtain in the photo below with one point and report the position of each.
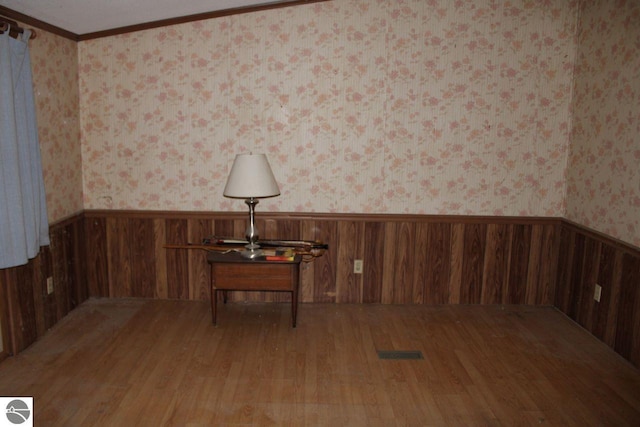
(24, 224)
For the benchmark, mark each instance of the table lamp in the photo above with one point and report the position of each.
(251, 179)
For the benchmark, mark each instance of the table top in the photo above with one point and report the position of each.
(237, 258)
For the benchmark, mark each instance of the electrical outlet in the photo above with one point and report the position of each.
(357, 266)
(49, 285)
(597, 293)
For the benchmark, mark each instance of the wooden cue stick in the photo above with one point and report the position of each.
(223, 248)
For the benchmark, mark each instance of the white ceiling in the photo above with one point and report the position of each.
(89, 16)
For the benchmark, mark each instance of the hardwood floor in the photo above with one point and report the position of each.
(145, 362)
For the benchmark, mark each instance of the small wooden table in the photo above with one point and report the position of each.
(232, 272)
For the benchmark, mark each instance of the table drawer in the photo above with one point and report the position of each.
(260, 277)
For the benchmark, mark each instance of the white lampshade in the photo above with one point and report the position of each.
(251, 176)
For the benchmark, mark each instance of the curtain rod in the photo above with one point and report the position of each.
(14, 28)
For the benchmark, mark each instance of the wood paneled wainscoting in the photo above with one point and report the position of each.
(586, 259)
(28, 309)
(407, 259)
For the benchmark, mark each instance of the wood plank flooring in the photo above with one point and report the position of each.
(116, 362)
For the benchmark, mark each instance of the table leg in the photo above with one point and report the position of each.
(214, 297)
(277, 275)
(294, 294)
(294, 307)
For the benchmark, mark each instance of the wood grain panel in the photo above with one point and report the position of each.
(548, 265)
(240, 227)
(350, 243)
(71, 293)
(405, 260)
(421, 283)
(627, 329)
(613, 293)
(606, 278)
(49, 309)
(119, 257)
(389, 262)
(496, 263)
(514, 291)
(457, 261)
(224, 228)
(436, 262)
(62, 280)
(5, 326)
(282, 229)
(325, 266)
(268, 229)
(634, 332)
(565, 271)
(398, 263)
(374, 259)
(177, 260)
(64, 261)
(533, 272)
(143, 250)
(575, 285)
(199, 272)
(56, 302)
(587, 283)
(160, 239)
(97, 262)
(22, 307)
(75, 265)
(39, 292)
(473, 263)
(79, 261)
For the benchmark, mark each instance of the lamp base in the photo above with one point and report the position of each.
(253, 248)
(252, 253)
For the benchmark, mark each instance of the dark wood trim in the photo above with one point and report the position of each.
(10, 13)
(28, 20)
(601, 237)
(191, 18)
(312, 216)
(71, 219)
(196, 17)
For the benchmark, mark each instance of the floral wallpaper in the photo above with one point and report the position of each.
(362, 106)
(54, 62)
(603, 184)
(435, 107)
